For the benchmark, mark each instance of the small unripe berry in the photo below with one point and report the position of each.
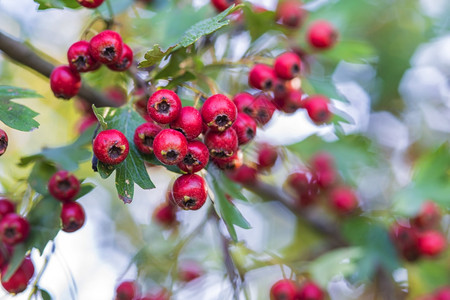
(125, 60)
(189, 191)
(80, 59)
(63, 186)
(317, 108)
(262, 77)
(287, 65)
(189, 122)
(222, 5)
(72, 216)
(164, 106)
(14, 229)
(90, 3)
(431, 243)
(245, 128)
(170, 146)
(283, 289)
(126, 290)
(244, 103)
(219, 112)
(189, 270)
(3, 141)
(64, 82)
(197, 157)
(106, 47)
(428, 216)
(18, 282)
(310, 291)
(144, 135)
(264, 109)
(344, 200)
(221, 144)
(165, 214)
(322, 35)
(6, 207)
(290, 13)
(111, 147)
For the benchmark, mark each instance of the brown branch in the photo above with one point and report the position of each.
(23, 55)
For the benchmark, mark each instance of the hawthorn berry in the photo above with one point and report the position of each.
(221, 144)
(125, 60)
(290, 13)
(229, 163)
(245, 128)
(197, 157)
(63, 186)
(189, 122)
(244, 175)
(6, 207)
(322, 161)
(80, 59)
(65, 82)
(106, 47)
(287, 65)
(219, 112)
(164, 106)
(144, 135)
(428, 216)
(442, 294)
(189, 270)
(290, 102)
(3, 141)
(267, 156)
(111, 147)
(405, 240)
(344, 200)
(283, 289)
(431, 243)
(126, 290)
(317, 108)
(14, 229)
(262, 77)
(72, 216)
(310, 291)
(304, 185)
(222, 5)
(244, 103)
(322, 34)
(90, 3)
(170, 146)
(19, 280)
(264, 109)
(189, 191)
(165, 215)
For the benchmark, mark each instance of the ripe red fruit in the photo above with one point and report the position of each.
(245, 128)
(219, 112)
(189, 122)
(405, 240)
(283, 289)
(221, 5)
(264, 109)
(106, 47)
(431, 243)
(126, 290)
(317, 108)
(164, 106)
(125, 60)
(344, 200)
(221, 144)
(428, 216)
(304, 186)
(189, 270)
(262, 77)
(3, 141)
(322, 35)
(63, 186)
(64, 82)
(90, 3)
(80, 59)
(170, 146)
(287, 65)
(189, 191)
(290, 101)
(144, 135)
(18, 282)
(14, 229)
(111, 147)
(6, 207)
(310, 291)
(290, 13)
(442, 294)
(322, 161)
(229, 163)
(165, 215)
(72, 216)
(197, 157)
(244, 175)
(267, 156)
(244, 103)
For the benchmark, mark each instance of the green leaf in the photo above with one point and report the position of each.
(16, 115)
(185, 77)
(15, 261)
(60, 4)
(45, 295)
(40, 175)
(232, 188)
(258, 23)
(350, 51)
(85, 189)
(105, 170)
(154, 56)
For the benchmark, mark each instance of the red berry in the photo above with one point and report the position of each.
(344, 200)
(221, 144)
(262, 77)
(111, 147)
(125, 60)
(3, 141)
(267, 156)
(165, 215)
(164, 106)
(196, 158)
(219, 112)
(304, 185)
(290, 102)
(189, 191)
(229, 163)
(290, 13)
(283, 289)
(244, 103)
(14, 229)
(431, 243)
(90, 3)
(310, 291)
(64, 82)
(245, 128)
(322, 35)
(317, 108)
(406, 241)
(106, 47)
(72, 216)
(80, 59)
(442, 294)
(244, 175)
(322, 161)
(222, 5)
(144, 136)
(6, 207)
(287, 65)
(264, 109)
(126, 290)
(189, 270)
(428, 216)
(63, 186)
(170, 146)
(189, 122)
(18, 282)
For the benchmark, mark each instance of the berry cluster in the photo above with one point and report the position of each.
(3, 141)
(419, 236)
(104, 48)
(286, 289)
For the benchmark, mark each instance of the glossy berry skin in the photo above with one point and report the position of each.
(14, 229)
(262, 77)
(310, 291)
(189, 270)
(144, 135)
(72, 216)
(267, 156)
(126, 290)
(197, 157)
(90, 3)
(3, 141)
(221, 144)
(290, 13)
(63, 186)
(189, 122)
(283, 289)
(80, 59)
(189, 191)
(18, 282)
(165, 215)
(344, 200)
(6, 207)
(431, 243)
(264, 109)
(322, 35)
(64, 82)
(106, 47)
(244, 103)
(290, 101)
(245, 128)
(170, 146)
(229, 163)
(219, 112)
(287, 65)
(164, 106)
(318, 110)
(111, 147)
(221, 5)
(244, 174)
(125, 60)
(428, 217)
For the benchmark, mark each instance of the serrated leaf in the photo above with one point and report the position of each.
(18, 256)
(16, 115)
(45, 295)
(60, 4)
(154, 56)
